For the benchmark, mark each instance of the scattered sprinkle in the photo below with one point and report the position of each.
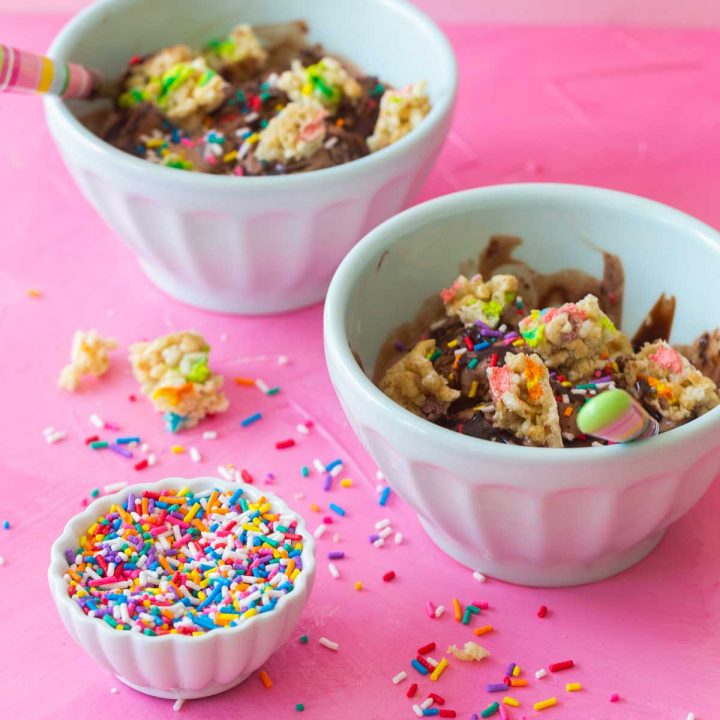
(329, 644)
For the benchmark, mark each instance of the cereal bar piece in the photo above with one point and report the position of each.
(297, 131)
(158, 64)
(670, 383)
(524, 401)
(239, 55)
(573, 337)
(326, 82)
(474, 300)
(184, 91)
(704, 354)
(173, 372)
(471, 651)
(88, 356)
(414, 383)
(400, 112)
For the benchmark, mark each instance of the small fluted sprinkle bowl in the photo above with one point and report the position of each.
(535, 516)
(179, 666)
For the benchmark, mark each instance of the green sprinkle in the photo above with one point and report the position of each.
(265, 96)
(303, 639)
(586, 386)
(474, 609)
(270, 541)
(263, 123)
(435, 355)
(199, 372)
(110, 620)
(94, 493)
(98, 445)
(473, 363)
(466, 617)
(378, 90)
(273, 391)
(305, 471)
(299, 707)
(490, 710)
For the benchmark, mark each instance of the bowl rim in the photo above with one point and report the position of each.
(58, 586)
(383, 238)
(57, 110)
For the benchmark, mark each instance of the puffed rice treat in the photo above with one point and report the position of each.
(470, 652)
(400, 112)
(89, 355)
(414, 383)
(524, 401)
(473, 300)
(571, 338)
(241, 53)
(326, 82)
(297, 131)
(675, 388)
(173, 372)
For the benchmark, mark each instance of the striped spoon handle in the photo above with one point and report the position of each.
(22, 71)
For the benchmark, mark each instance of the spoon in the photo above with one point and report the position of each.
(616, 416)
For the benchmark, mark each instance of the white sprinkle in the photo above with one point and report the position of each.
(425, 704)
(299, 496)
(195, 455)
(302, 429)
(398, 538)
(379, 543)
(379, 475)
(379, 488)
(2, 560)
(329, 644)
(336, 537)
(145, 447)
(251, 117)
(152, 460)
(432, 660)
(261, 386)
(460, 352)
(381, 524)
(319, 530)
(114, 487)
(333, 570)
(385, 532)
(568, 436)
(541, 673)
(283, 360)
(336, 470)
(48, 430)
(331, 143)
(178, 705)
(578, 391)
(319, 465)
(224, 473)
(418, 710)
(437, 324)
(97, 421)
(209, 435)
(479, 576)
(113, 691)
(399, 677)
(439, 610)
(237, 476)
(55, 437)
(566, 398)
(503, 328)
(691, 716)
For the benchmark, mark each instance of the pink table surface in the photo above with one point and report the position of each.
(637, 110)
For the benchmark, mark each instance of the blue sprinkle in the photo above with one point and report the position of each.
(384, 495)
(127, 440)
(251, 419)
(431, 711)
(173, 421)
(333, 464)
(419, 667)
(481, 346)
(6, 525)
(337, 509)
(236, 496)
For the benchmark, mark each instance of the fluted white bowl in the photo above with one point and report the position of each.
(251, 244)
(180, 666)
(535, 516)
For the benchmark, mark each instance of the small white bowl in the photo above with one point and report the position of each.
(252, 244)
(180, 666)
(535, 516)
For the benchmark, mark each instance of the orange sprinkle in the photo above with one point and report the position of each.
(265, 678)
(483, 630)
(457, 609)
(244, 381)
(568, 411)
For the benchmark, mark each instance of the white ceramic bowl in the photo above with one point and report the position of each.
(252, 244)
(534, 516)
(180, 666)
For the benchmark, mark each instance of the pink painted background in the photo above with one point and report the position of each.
(636, 109)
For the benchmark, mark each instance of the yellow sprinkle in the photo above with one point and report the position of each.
(573, 687)
(566, 383)
(483, 630)
(473, 389)
(253, 138)
(518, 343)
(32, 292)
(190, 514)
(346, 483)
(229, 157)
(296, 572)
(314, 507)
(265, 678)
(250, 613)
(544, 704)
(512, 702)
(452, 344)
(439, 670)
(516, 671)
(177, 449)
(224, 618)
(358, 585)
(154, 142)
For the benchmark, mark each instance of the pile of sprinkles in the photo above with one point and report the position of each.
(183, 562)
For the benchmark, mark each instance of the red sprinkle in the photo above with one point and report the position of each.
(564, 665)
(412, 690)
(437, 698)
(141, 464)
(542, 611)
(425, 649)
(247, 477)
(388, 576)
(132, 398)
(282, 444)
(92, 438)
(469, 343)
(135, 60)
(447, 713)
(494, 360)
(425, 663)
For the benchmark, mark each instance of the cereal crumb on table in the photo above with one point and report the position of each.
(88, 356)
(573, 337)
(241, 48)
(173, 372)
(400, 112)
(297, 131)
(414, 383)
(469, 652)
(327, 82)
(674, 387)
(524, 401)
(475, 300)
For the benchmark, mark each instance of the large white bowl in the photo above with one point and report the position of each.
(252, 244)
(180, 666)
(535, 516)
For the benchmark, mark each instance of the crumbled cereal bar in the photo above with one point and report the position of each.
(475, 300)
(469, 652)
(670, 383)
(571, 338)
(173, 372)
(414, 383)
(241, 50)
(704, 354)
(524, 401)
(88, 356)
(326, 82)
(297, 131)
(400, 112)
